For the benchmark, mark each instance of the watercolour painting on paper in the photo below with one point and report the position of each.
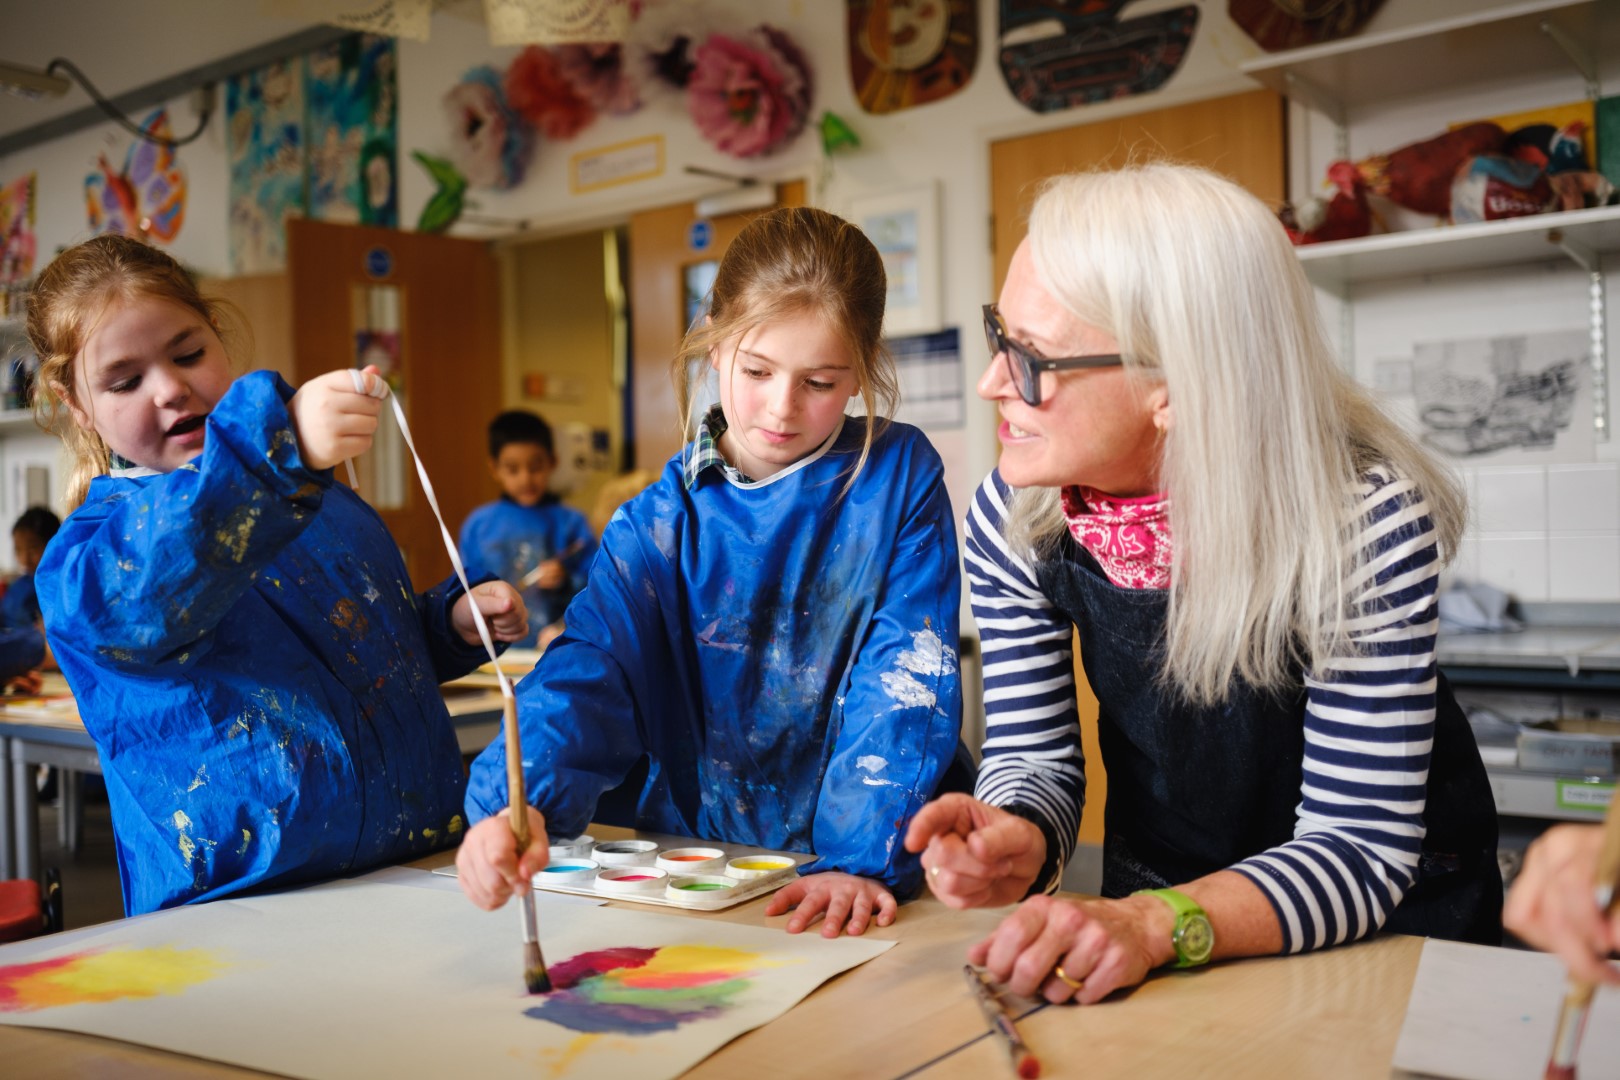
(415, 981)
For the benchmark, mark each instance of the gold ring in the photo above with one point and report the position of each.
(1076, 985)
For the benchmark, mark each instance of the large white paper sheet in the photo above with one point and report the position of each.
(365, 979)
(1479, 1013)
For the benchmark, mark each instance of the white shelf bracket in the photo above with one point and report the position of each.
(1312, 96)
(1578, 57)
(1592, 262)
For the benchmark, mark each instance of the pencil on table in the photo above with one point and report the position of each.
(534, 965)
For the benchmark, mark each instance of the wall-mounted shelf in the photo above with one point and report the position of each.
(17, 420)
(1339, 264)
(1497, 45)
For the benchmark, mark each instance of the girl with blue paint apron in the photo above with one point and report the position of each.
(1249, 551)
(239, 631)
(770, 630)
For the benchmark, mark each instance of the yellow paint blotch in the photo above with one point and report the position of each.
(247, 838)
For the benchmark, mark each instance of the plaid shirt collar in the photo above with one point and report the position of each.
(705, 451)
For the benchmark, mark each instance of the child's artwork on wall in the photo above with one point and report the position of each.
(1513, 399)
(910, 52)
(313, 135)
(147, 197)
(1056, 54)
(264, 123)
(17, 243)
(391, 980)
(351, 115)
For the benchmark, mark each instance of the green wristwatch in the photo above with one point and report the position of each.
(1193, 937)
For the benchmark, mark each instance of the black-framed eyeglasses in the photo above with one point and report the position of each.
(1025, 366)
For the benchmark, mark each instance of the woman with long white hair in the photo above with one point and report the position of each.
(1249, 549)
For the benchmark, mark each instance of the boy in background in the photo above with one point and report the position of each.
(528, 537)
(19, 608)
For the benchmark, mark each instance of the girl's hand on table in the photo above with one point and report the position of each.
(488, 866)
(503, 610)
(851, 903)
(975, 854)
(1100, 944)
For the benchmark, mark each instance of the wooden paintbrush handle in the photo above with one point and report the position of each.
(517, 800)
(1608, 864)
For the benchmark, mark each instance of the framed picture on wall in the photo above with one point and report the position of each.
(904, 226)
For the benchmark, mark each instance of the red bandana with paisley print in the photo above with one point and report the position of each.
(1129, 538)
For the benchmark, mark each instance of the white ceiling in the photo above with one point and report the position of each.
(124, 44)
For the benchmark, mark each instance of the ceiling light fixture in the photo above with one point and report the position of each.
(31, 83)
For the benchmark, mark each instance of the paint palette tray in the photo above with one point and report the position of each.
(666, 871)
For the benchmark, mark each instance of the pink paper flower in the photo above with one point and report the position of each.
(748, 97)
(488, 143)
(598, 73)
(542, 94)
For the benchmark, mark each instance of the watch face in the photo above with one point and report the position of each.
(1195, 939)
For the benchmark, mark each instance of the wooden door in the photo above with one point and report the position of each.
(441, 299)
(1242, 137)
(661, 256)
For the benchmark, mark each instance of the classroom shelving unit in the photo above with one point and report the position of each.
(1530, 39)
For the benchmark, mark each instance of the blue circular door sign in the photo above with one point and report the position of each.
(379, 262)
(700, 235)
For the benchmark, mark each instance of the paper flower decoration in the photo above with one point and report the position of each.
(749, 95)
(489, 143)
(542, 94)
(599, 75)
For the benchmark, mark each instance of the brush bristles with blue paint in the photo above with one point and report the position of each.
(534, 965)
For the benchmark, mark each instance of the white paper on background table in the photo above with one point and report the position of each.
(1479, 1013)
(357, 979)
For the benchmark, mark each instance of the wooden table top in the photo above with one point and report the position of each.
(1336, 1013)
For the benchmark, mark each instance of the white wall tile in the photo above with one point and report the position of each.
(1583, 498)
(1512, 500)
(1516, 564)
(1583, 567)
(1466, 565)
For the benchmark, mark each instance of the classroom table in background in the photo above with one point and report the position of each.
(1334, 1013)
(45, 729)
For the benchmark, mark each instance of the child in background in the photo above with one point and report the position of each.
(527, 537)
(20, 607)
(239, 631)
(773, 624)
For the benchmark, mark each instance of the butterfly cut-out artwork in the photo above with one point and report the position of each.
(147, 197)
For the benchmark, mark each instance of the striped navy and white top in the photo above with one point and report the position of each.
(1368, 729)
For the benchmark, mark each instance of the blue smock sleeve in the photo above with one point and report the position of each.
(21, 650)
(902, 712)
(151, 570)
(577, 711)
(451, 654)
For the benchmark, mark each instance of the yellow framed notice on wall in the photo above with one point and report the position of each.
(621, 163)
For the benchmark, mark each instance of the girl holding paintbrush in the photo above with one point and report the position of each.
(239, 632)
(773, 624)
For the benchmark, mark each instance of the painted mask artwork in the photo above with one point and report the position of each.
(1294, 24)
(910, 52)
(1056, 54)
(147, 197)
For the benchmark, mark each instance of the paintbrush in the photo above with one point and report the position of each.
(1572, 1019)
(1000, 1020)
(533, 576)
(534, 965)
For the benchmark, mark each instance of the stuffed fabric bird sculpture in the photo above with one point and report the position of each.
(1344, 216)
(1419, 176)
